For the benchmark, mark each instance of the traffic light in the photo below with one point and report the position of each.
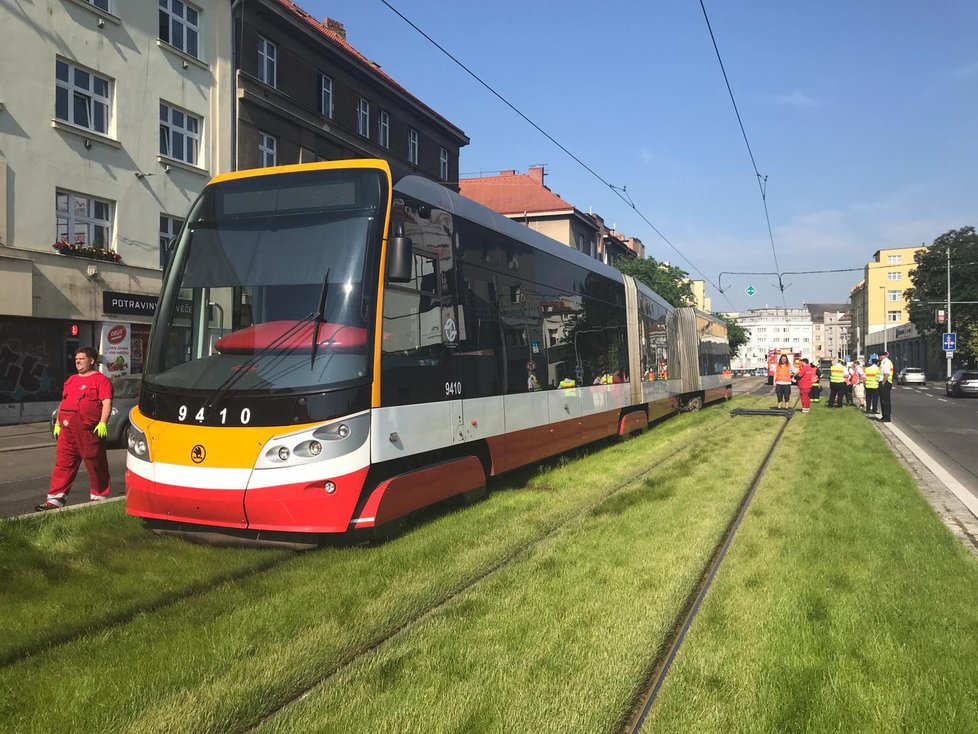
(71, 331)
(939, 316)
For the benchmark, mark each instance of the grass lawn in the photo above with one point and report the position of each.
(218, 661)
(63, 573)
(843, 606)
(560, 640)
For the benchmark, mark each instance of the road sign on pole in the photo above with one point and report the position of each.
(950, 341)
(750, 290)
(949, 355)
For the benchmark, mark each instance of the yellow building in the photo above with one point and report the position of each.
(703, 302)
(877, 302)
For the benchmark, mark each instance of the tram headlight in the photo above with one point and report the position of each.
(332, 432)
(284, 453)
(136, 443)
(315, 448)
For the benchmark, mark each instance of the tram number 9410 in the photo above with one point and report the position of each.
(243, 419)
(453, 389)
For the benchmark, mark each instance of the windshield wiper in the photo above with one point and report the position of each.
(320, 319)
(230, 381)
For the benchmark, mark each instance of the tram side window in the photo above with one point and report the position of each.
(524, 352)
(477, 354)
(413, 354)
(411, 310)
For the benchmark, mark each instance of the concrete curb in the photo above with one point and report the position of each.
(954, 504)
(30, 446)
(69, 508)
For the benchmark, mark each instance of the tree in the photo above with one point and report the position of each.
(929, 291)
(737, 335)
(668, 281)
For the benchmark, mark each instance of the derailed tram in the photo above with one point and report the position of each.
(333, 351)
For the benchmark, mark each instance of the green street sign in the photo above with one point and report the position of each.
(750, 290)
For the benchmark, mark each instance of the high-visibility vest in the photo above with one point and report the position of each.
(837, 373)
(567, 382)
(782, 373)
(872, 377)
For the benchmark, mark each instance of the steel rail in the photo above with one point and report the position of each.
(501, 564)
(685, 619)
(124, 616)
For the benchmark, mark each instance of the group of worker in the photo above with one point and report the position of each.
(867, 387)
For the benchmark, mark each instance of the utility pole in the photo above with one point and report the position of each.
(948, 321)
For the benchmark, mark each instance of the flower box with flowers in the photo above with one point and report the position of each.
(91, 252)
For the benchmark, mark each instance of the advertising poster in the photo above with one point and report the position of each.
(115, 348)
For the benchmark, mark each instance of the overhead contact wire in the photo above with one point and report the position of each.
(619, 192)
(761, 180)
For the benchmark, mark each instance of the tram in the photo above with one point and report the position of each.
(333, 350)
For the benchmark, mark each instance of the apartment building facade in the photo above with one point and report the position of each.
(109, 128)
(303, 93)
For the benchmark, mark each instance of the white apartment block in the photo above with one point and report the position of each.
(772, 328)
(111, 122)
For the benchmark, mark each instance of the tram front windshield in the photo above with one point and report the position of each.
(264, 267)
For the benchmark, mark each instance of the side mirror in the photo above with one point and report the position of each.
(400, 257)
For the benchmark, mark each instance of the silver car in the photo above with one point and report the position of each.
(125, 395)
(911, 376)
(961, 383)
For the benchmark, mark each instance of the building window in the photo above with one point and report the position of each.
(894, 275)
(179, 134)
(894, 296)
(413, 146)
(83, 220)
(443, 164)
(169, 226)
(384, 128)
(893, 315)
(326, 96)
(179, 26)
(363, 118)
(103, 4)
(267, 53)
(82, 98)
(893, 259)
(267, 145)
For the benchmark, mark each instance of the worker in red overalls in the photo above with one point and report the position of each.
(86, 403)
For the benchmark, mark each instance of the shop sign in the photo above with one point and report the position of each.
(137, 304)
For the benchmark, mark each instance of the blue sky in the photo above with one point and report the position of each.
(863, 116)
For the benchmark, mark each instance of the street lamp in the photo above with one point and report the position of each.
(885, 322)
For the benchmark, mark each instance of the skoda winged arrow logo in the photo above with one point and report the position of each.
(198, 453)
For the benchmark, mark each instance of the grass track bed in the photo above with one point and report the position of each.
(844, 604)
(219, 661)
(66, 573)
(561, 639)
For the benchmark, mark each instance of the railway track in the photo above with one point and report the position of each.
(647, 697)
(390, 636)
(277, 707)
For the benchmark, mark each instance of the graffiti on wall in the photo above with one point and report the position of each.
(30, 353)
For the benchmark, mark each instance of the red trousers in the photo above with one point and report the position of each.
(76, 443)
(806, 396)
